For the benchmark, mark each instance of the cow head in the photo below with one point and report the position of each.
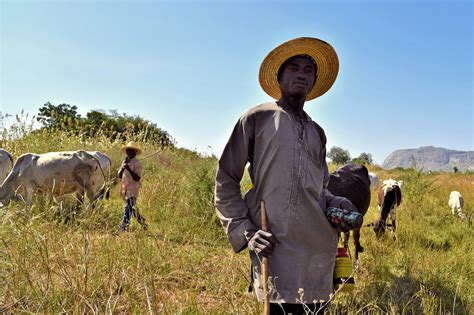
(6, 194)
(8, 187)
(379, 228)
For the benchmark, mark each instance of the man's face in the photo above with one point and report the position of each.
(131, 153)
(297, 77)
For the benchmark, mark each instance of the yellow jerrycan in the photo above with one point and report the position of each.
(343, 272)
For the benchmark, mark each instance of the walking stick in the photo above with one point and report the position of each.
(266, 301)
(149, 155)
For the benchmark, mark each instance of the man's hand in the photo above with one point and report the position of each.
(122, 168)
(262, 243)
(124, 165)
(347, 205)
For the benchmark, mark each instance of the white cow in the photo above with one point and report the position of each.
(456, 202)
(56, 172)
(5, 161)
(104, 160)
(374, 180)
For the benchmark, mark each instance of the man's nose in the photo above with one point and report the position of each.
(301, 75)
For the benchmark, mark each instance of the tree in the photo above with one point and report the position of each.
(57, 116)
(339, 155)
(363, 159)
(112, 125)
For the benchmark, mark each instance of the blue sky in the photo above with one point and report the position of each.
(405, 78)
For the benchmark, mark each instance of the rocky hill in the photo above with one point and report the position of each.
(431, 159)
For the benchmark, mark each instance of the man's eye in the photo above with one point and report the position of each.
(293, 69)
(308, 70)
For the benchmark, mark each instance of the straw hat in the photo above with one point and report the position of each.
(323, 53)
(131, 145)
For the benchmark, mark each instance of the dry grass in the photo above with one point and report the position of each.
(184, 264)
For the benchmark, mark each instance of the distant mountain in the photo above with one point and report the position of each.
(431, 159)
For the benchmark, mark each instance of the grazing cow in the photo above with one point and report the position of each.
(390, 197)
(456, 202)
(352, 182)
(56, 172)
(374, 180)
(5, 161)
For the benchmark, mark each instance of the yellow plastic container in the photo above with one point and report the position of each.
(343, 271)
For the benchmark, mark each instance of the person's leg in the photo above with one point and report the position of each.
(277, 309)
(287, 308)
(137, 215)
(127, 211)
(296, 309)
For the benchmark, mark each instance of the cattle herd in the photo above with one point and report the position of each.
(86, 173)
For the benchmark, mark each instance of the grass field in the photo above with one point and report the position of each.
(184, 263)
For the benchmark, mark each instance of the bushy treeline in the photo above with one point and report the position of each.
(111, 124)
(338, 155)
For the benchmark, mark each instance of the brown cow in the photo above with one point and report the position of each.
(390, 197)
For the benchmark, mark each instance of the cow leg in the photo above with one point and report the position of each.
(80, 197)
(90, 195)
(394, 229)
(358, 247)
(29, 197)
(346, 240)
(394, 225)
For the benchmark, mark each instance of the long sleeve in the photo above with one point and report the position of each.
(230, 207)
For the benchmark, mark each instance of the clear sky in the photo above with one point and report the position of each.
(191, 67)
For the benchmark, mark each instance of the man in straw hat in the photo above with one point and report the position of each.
(286, 152)
(130, 173)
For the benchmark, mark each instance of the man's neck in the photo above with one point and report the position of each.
(292, 104)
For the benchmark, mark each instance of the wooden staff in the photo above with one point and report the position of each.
(149, 155)
(266, 301)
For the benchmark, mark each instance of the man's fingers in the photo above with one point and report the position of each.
(268, 236)
(263, 250)
(262, 243)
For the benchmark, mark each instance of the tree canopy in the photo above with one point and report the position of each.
(339, 155)
(363, 159)
(111, 124)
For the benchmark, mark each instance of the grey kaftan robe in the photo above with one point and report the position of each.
(288, 170)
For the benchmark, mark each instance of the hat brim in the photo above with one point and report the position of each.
(323, 53)
(137, 149)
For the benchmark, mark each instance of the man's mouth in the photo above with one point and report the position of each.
(300, 83)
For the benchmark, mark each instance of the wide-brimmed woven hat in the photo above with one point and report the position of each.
(323, 53)
(131, 145)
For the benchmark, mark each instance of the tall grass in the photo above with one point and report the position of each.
(184, 263)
